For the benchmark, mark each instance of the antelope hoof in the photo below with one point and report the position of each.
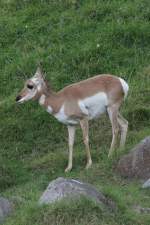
(68, 169)
(88, 165)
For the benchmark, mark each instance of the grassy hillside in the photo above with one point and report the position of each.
(73, 40)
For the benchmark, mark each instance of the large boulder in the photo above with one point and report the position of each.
(69, 188)
(137, 162)
(5, 208)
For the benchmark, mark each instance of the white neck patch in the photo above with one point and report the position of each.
(49, 109)
(42, 100)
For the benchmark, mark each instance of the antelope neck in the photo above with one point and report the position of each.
(50, 102)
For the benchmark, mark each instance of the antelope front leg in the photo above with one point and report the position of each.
(85, 130)
(71, 135)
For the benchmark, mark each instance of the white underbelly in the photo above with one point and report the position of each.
(92, 107)
(95, 105)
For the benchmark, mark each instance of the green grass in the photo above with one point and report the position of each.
(73, 40)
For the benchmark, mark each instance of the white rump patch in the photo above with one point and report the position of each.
(94, 105)
(125, 86)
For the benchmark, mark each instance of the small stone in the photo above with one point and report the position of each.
(5, 208)
(141, 210)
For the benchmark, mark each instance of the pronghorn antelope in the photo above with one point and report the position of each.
(80, 102)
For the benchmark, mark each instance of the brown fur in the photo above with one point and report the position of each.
(71, 94)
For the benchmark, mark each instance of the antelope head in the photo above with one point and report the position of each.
(33, 88)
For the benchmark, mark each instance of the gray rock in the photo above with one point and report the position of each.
(146, 184)
(61, 187)
(141, 210)
(5, 208)
(137, 162)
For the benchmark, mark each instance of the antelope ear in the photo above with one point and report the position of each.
(39, 74)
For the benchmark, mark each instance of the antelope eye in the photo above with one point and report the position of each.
(29, 86)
